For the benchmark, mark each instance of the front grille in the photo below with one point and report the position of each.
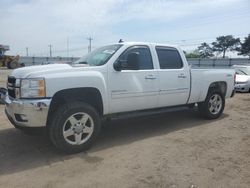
(11, 86)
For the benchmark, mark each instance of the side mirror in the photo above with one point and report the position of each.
(118, 65)
(132, 62)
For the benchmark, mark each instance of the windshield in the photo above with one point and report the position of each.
(244, 70)
(99, 56)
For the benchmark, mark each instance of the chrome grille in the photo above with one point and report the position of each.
(11, 86)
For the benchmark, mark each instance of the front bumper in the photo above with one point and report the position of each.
(242, 87)
(26, 112)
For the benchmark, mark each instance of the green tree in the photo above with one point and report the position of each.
(192, 54)
(245, 47)
(205, 50)
(225, 43)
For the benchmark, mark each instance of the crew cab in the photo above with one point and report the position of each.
(71, 100)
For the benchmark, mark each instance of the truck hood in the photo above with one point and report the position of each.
(35, 71)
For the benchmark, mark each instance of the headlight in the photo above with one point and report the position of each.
(18, 82)
(32, 88)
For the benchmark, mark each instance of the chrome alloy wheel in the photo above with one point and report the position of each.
(215, 104)
(78, 128)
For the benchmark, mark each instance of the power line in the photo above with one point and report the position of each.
(67, 46)
(200, 40)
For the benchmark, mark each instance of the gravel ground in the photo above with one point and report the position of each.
(169, 150)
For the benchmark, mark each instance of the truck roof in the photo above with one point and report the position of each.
(148, 43)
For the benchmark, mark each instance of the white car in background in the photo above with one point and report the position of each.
(242, 78)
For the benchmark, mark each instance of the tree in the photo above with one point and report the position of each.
(245, 47)
(225, 43)
(205, 50)
(192, 54)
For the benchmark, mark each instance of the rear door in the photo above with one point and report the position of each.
(174, 77)
(134, 89)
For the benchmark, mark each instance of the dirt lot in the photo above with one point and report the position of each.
(169, 150)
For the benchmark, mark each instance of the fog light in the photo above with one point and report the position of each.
(21, 117)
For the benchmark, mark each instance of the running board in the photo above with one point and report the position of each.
(140, 113)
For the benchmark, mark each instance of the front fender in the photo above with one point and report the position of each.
(62, 81)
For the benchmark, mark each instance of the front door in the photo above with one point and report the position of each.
(134, 89)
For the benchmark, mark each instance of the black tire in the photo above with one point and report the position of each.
(204, 107)
(60, 119)
(12, 65)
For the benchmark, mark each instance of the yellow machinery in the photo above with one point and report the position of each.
(11, 62)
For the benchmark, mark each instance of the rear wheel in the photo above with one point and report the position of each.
(213, 105)
(74, 127)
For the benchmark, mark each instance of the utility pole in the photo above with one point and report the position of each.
(27, 51)
(89, 39)
(50, 51)
(67, 46)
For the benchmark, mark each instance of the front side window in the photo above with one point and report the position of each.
(99, 56)
(145, 59)
(169, 58)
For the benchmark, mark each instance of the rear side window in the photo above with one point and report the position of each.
(169, 58)
(145, 59)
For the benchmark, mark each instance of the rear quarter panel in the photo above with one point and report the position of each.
(203, 78)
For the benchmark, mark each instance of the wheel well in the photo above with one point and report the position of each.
(221, 86)
(91, 96)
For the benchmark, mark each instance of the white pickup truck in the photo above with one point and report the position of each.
(117, 79)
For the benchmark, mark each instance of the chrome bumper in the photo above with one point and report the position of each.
(26, 112)
(242, 87)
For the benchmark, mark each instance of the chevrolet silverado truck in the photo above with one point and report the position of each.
(124, 78)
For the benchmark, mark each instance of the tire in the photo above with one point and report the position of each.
(213, 105)
(74, 127)
(12, 65)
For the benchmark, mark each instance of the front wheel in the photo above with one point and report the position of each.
(213, 105)
(74, 127)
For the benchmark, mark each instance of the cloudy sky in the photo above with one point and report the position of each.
(37, 23)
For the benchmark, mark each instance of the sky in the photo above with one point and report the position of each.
(66, 24)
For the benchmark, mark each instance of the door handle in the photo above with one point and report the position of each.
(150, 77)
(182, 76)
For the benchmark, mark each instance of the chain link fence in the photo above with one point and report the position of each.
(226, 62)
